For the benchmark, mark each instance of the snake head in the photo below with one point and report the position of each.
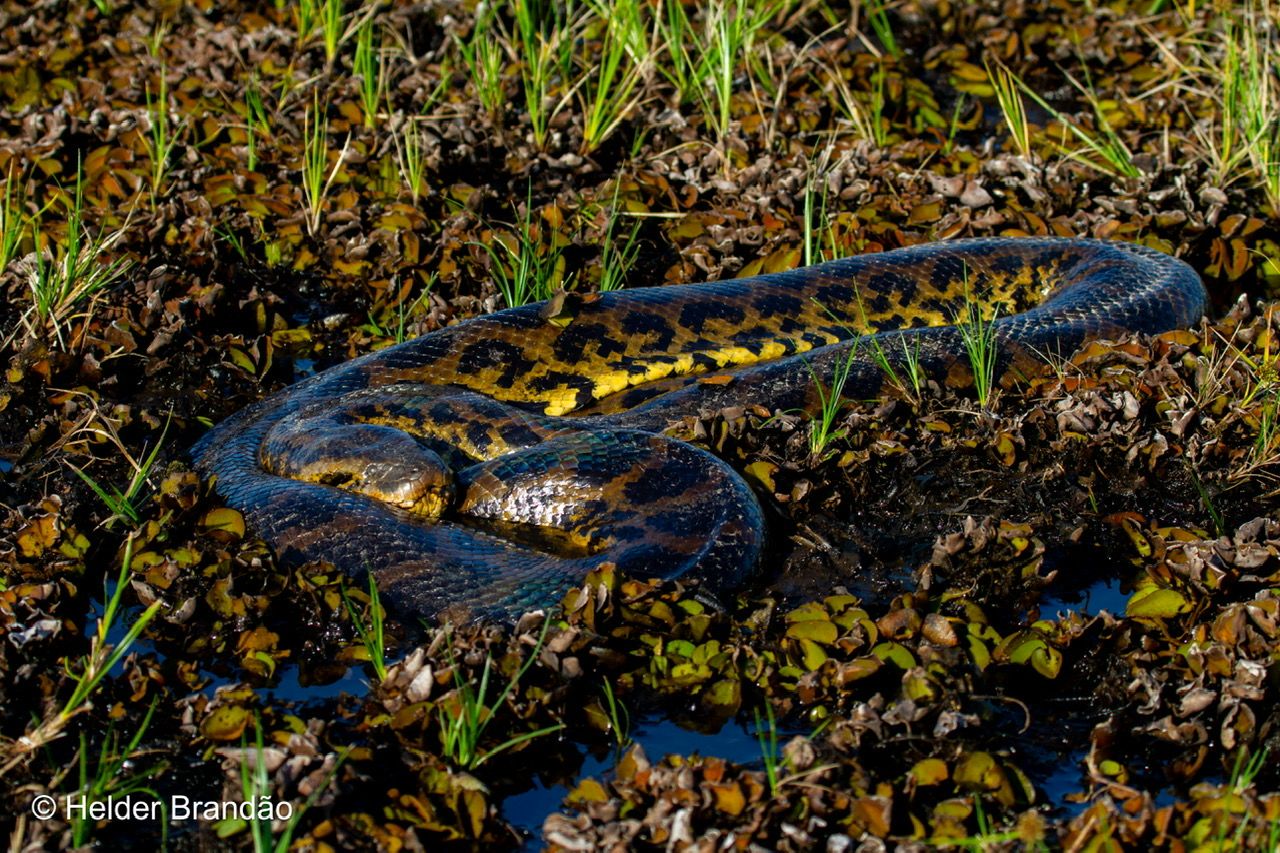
(375, 460)
(422, 486)
(436, 497)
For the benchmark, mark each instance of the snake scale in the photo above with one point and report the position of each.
(486, 467)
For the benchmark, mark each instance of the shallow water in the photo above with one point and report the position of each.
(302, 368)
(1106, 593)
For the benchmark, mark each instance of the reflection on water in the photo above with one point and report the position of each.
(1106, 593)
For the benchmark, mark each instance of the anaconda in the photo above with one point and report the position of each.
(489, 465)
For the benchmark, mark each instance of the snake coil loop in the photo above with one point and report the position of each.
(488, 466)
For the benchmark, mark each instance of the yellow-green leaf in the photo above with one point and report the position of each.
(813, 654)
(225, 723)
(929, 771)
(895, 653)
(807, 612)
(1156, 603)
(979, 770)
(588, 791)
(226, 521)
(818, 632)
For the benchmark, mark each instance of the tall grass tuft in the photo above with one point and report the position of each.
(615, 90)
(370, 64)
(706, 55)
(13, 224)
(255, 786)
(1007, 86)
(317, 175)
(818, 232)
(978, 336)
(331, 27)
(102, 656)
(1250, 108)
(878, 17)
(730, 30)
(852, 110)
(1102, 149)
(124, 505)
(483, 60)
(410, 154)
(823, 429)
(161, 136)
(64, 278)
(523, 269)
(618, 253)
(372, 634)
(676, 32)
(116, 775)
(305, 18)
(904, 372)
(257, 124)
(770, 755)
(543, 48)
(619, 717)
(464, 717)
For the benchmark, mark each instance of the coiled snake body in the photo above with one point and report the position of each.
(489, 465)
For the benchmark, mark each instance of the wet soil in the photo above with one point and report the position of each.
(1044, 619)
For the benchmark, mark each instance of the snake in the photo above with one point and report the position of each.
(485, 468)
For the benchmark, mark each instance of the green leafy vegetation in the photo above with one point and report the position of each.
(116, 774)
(69, 274)
(523, 267)
(371, 632)
(317, 175)
(124, 504)
(161, 137)
(370, 65)
(467, 713)
(978, 335)
(13, 225)
(825, 428)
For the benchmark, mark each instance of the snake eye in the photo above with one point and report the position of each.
(437, 498)
(423, 486)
